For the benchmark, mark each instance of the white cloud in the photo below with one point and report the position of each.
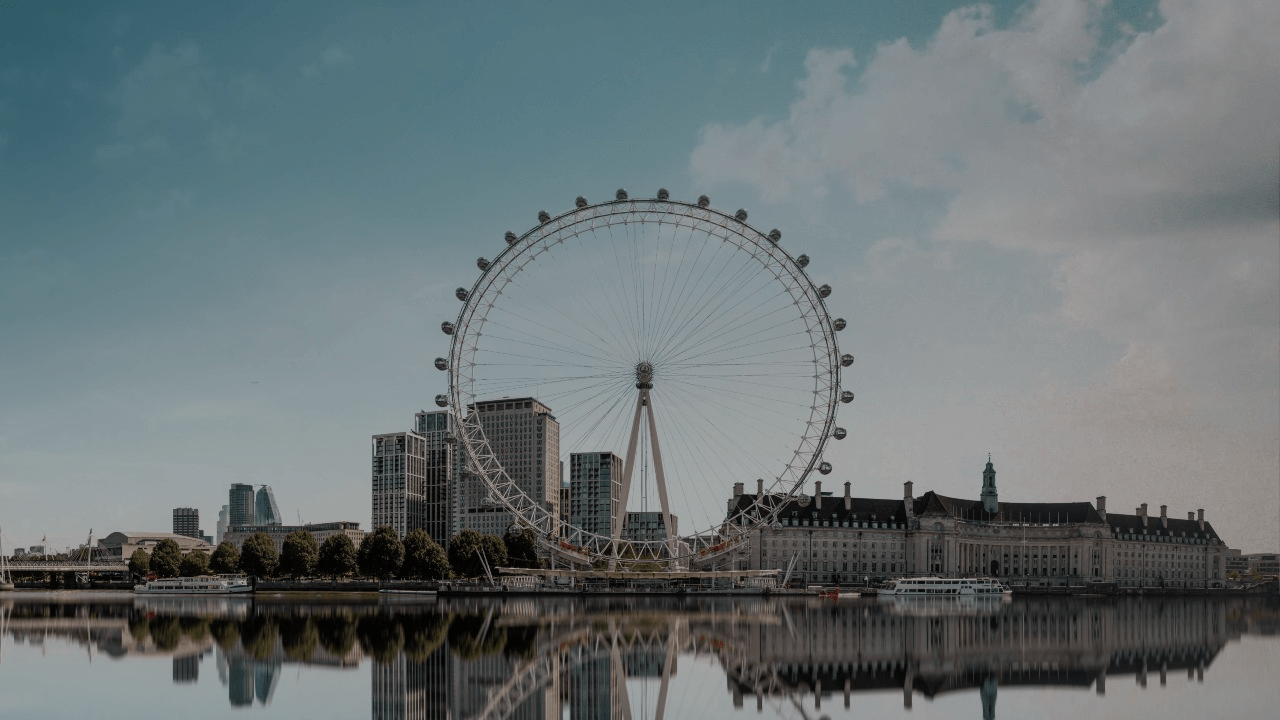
(1145, 170)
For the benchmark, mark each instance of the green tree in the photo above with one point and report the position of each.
(464, 548)
(337, 557)
(166, 559)
(299, 555)
(423, 558)
(140, 562)
(226, 558)
(522, 548)
(381, 553)
(258, 555)
(194, 563)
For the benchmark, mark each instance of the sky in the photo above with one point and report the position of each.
(229, 232)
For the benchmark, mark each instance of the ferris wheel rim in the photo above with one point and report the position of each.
(495, 275)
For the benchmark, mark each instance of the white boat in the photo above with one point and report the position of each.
(945, 587)
(203, 585)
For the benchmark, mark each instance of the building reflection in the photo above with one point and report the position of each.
(574, 657)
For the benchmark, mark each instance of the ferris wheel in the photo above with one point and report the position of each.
(678, 337)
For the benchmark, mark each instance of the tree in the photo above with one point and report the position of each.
(381, 553)
(463, 552)
(194, 563)
(226, 558)
(258, 555)
(299, 555)
(166, 559)
(337, 557)
(423, 558)
(522, 548)
(139, 562)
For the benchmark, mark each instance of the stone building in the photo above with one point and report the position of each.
(525, 438)
(847, 539)
(236, 535)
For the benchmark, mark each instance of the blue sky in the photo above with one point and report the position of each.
(1052, 228)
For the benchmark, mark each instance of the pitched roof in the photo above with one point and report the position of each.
(1178, 527)
(832, 509)
(932, 503)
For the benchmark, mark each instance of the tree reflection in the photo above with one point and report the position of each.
(225, 632)
(474, 636)
(337, 633)
(423, 634)
(166, 632)
(381, 637)
(258, 636)
(299, 637)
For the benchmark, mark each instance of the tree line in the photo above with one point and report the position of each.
(382, 554)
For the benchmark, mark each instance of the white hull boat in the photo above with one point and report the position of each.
(205, 585)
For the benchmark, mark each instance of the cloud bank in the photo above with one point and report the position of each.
(1144, 164)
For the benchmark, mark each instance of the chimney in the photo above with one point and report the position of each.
(848, 501)
(1200, 517)
(1164, 516)
(759, 489)
(1191, 515)
(737, 490)
(1102, 507)
(817, 494)
(1142, 511)
(909, 498)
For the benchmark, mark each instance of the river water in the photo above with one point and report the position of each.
(113, 655)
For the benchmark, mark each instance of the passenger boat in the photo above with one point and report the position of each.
(203, 585)
(945, 587)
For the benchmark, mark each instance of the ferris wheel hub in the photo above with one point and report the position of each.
(644, 375)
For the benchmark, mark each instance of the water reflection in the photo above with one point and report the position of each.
(548, 658)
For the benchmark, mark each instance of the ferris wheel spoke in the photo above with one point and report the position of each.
(704, 308)
(564, 313)
(697, 295)
(740, 324)
(678, 302)
(748, 343)
(558, 332)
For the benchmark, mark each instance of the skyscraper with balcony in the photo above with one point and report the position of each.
(266, 512)
(399, 462)
(222, 523)
(595, 491)
(525, 437)
(240, 505)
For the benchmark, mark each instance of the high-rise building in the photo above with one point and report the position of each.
(525, 437)
(399, 476)
(595, 491)
(240, 505)
(222, 524)
(440, 468)
(265, 511)
(186, 521)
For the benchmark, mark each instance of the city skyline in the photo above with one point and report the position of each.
(228, 246)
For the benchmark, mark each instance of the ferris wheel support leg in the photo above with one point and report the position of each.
(616, 520)
(658, 474)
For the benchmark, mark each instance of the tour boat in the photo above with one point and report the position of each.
(204, 585)
(945, 587)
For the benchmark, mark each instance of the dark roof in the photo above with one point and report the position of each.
(832, 509)
(932, 503)
(1126, 524)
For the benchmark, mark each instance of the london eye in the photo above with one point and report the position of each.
(681, 338)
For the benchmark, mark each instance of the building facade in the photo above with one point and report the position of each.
(648, 526)
(595, 492)
(440, 466)
(186, 521)
(847, 539)
(241, 505)
(236, 535)
(399, 463)
(525, 438)
(265, 510)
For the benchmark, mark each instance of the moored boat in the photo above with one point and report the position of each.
(945, 587)
(203, 585)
